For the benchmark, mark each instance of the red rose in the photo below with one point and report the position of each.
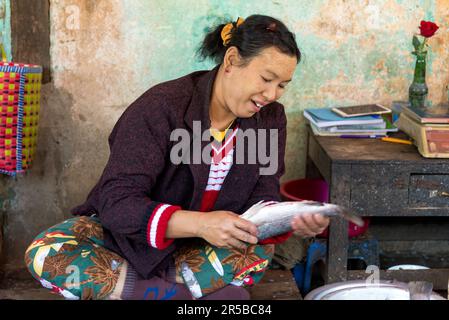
(428, 28)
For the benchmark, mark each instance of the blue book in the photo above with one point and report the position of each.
(325, 117)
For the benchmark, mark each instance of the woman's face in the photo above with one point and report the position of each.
(249, 88)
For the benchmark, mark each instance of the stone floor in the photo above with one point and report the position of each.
(19, 285)
(277, 285)
(25, 290)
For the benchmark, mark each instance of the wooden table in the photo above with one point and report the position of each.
(378, 179)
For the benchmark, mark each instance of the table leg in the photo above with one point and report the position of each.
(337, 253)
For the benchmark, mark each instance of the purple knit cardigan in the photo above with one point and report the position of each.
(139, 174)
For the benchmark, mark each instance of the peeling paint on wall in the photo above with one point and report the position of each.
(354, 51)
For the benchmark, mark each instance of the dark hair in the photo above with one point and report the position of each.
(256, 33)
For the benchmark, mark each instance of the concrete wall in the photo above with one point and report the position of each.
(105, 53)
(5, 26)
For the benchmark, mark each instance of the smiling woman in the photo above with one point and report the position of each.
(135, 238)
(257, 58)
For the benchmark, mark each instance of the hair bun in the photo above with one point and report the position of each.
(250, 36)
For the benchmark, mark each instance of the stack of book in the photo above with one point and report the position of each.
(437, 114)
(428, 127)
(325, 122)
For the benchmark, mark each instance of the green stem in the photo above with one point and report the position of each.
(423, 45)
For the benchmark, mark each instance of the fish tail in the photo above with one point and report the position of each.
(348, 215)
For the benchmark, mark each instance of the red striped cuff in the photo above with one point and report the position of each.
(157, 225)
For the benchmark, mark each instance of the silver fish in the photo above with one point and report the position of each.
(274, 218)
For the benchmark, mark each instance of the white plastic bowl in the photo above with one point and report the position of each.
(361, 290)
(408, 267)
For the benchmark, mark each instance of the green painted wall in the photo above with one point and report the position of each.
(354, 51)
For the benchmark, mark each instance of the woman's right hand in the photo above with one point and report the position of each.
(225, 229)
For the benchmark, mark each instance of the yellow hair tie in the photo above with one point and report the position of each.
(226, 31)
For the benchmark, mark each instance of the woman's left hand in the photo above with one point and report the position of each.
(309, 225)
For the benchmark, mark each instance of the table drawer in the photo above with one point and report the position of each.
(429, 190)
(378, 190)
(385, 191)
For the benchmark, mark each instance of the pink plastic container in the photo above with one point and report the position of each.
(317, 190)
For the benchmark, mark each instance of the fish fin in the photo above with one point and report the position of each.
(252, 210)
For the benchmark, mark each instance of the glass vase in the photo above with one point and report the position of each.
(418, 90)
